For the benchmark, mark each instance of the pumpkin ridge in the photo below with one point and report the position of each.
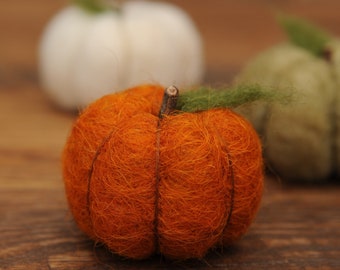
(168, 104)
(89, 180)
(231, 175)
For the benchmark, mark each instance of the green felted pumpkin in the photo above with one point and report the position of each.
(301, 140)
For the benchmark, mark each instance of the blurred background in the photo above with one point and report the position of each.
(296, 226)
(233, 31)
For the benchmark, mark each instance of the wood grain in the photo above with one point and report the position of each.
(298, 226)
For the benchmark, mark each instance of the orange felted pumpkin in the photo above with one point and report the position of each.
(144, 181)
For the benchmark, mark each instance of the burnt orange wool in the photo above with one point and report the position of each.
(178, 185)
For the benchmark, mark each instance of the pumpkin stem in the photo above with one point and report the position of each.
(97, 6)
(205, 98)
(169, 101)
(304, 34)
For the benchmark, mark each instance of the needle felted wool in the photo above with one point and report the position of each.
(111, 45)
(301, 140)
(145, 180)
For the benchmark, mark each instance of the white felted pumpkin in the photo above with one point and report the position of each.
(87, 51)
(301, 140)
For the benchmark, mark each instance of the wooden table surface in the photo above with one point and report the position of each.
(298, 226)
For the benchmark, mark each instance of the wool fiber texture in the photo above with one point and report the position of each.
(179, 186)
(301, 139)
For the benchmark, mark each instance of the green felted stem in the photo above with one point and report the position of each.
(93, 6)
(304, 34)
(206, 98)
